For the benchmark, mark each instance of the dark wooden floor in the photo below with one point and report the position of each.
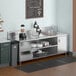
(64, 70)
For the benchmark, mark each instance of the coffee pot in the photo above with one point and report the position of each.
(22, 34)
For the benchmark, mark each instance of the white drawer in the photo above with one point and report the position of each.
(25, 57)
(23, 46)
(24, 49)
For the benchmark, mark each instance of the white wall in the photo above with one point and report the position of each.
(55, 12)
(13, 13)
(65, 18)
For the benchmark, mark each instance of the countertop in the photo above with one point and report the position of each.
(42, 37)
(4, 40)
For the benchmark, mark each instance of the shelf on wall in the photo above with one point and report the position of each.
(1, 30)
(1, 21)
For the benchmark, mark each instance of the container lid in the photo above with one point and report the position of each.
(22, 25)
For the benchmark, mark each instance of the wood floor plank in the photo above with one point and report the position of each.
(10, 71)
(64, 70)
(66, 67)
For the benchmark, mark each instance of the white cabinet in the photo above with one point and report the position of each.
(62, 43)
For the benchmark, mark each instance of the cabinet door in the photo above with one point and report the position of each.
(5, 53)
(62, 43)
